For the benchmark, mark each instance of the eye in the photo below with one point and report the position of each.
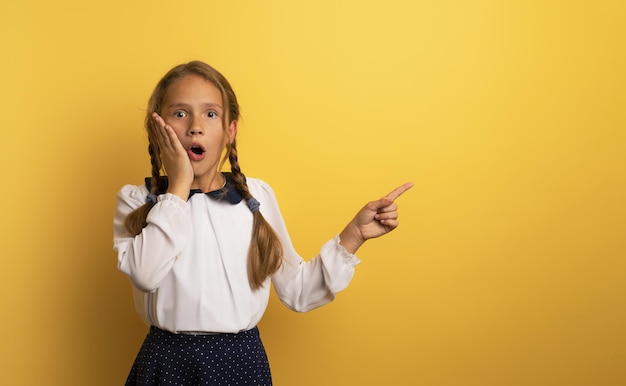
(211, 114)
(180, 114)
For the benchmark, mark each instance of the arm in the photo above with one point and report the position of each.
(149, 256)
(305, 285)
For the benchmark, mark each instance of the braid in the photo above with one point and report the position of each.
(238, 177)
(266, 253)
(155, 160)
(136, 220)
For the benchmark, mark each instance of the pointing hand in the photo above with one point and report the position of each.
(375, 219)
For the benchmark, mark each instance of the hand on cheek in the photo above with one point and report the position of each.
(174, 157)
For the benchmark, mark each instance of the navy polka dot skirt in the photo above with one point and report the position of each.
(189, 360)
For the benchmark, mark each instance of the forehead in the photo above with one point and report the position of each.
(192, 89)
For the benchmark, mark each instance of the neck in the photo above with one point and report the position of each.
(209, 183)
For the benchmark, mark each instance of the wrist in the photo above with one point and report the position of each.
(180, 192)
(179, 187)
(350, 238)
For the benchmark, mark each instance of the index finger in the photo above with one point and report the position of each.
(397, 192)
(164, 135)
(159, 121)
(160, 125)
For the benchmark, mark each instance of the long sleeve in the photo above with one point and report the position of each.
(305, 285)
(148, 257)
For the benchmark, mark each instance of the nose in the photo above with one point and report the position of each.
(195, 128)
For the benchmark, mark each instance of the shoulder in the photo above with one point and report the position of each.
(259, 188)
(133, 195)
(130, 189)
(264, 193)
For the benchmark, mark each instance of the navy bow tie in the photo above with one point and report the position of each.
(226, 193)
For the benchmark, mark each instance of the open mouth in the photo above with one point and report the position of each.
(196, 152)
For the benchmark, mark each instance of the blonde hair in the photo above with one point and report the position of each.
(266, 253)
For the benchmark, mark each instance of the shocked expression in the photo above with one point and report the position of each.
(193, 108)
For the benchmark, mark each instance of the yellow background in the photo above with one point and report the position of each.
(509, 264)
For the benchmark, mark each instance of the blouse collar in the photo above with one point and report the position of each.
(226, 193)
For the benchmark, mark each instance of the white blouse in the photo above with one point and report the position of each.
(189, 264)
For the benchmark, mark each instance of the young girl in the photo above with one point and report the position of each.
(201, 246)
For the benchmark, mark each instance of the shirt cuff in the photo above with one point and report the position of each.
(346, 256)
(172, 198)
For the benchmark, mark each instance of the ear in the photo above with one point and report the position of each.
(232, 131)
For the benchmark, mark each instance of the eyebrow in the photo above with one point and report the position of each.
(205, 105)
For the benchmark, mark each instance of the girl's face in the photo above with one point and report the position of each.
(193, 108)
